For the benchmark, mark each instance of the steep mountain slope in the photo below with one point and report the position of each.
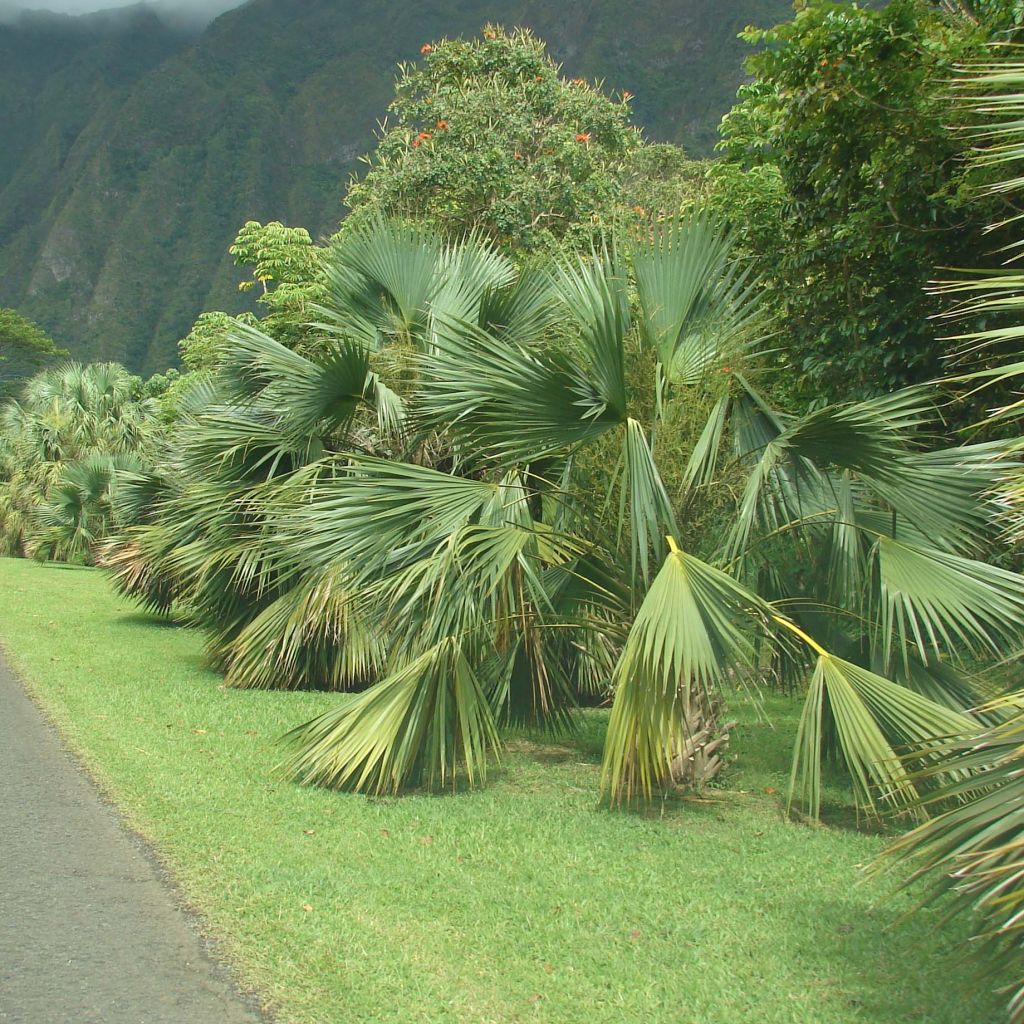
(129, 157)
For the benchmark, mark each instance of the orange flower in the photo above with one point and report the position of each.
(426, 48)
(726, 369)
(627, 95)
(489, 33)
(538, 78)
(639, 209)
(420, 139)
(441, 125)
(583, 136)
(579, 81)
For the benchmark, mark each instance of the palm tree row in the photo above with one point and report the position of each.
(473, 503)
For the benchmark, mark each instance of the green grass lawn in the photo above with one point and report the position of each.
(524, 901)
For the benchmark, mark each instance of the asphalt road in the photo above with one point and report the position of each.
(90, 930)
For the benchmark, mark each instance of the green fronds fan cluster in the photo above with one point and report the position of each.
(460, 503)
(971, 853)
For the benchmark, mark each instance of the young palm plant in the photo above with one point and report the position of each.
(513, 578)
(273, 425)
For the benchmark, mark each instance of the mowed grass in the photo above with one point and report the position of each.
(524, 901)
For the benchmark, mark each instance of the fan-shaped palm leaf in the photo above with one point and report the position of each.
(699, 304)
(867, 717)
(937, 601)
(972, 851)
(507, 403)
(379, 279)
(314, 635)
(307, 395)
(693, 628)
(417, 726)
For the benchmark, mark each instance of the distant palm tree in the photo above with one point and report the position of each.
(61, 444)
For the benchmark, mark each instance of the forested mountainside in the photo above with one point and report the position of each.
(130, 152)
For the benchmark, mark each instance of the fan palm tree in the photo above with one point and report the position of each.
(459, 502)
(61, 447)
(972, 850)
(273, 423)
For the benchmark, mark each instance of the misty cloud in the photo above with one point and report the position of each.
(194, 11)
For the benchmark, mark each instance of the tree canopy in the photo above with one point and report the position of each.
(24, 342)
(486, 135)
(842, 158)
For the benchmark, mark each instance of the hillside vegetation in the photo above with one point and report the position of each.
(127, 165)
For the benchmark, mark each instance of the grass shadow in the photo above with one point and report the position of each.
(915, 973)
(150, 620)
(541, 751)
(582, 738)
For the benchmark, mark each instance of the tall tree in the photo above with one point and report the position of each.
(486, 135)
(24, 342)
(844, 141)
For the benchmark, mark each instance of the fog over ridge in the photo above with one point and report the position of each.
(193, 11)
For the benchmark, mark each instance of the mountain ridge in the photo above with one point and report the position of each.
(139, 153)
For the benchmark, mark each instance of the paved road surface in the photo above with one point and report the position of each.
(90, 933)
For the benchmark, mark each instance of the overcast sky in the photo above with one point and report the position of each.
(208, 8)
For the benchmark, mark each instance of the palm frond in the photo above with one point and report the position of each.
(935, 601)
(381, 275)
(693, 628)
(507, 403)
(372, 508)
(595, 295)
(306, 394)
(699, 304)
(314, 635)
(867, 717)
(418, 726)
(972, 851)
(650, 510)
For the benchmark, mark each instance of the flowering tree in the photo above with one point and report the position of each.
(485, 134)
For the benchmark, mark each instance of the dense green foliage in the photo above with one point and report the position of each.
(23, 346)
(61, 446)
(487, 136)
(843, 158)
(130, 154)
(410, 505)
(515, 153)
(20, 336)
(972, 850)
(521, 437)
